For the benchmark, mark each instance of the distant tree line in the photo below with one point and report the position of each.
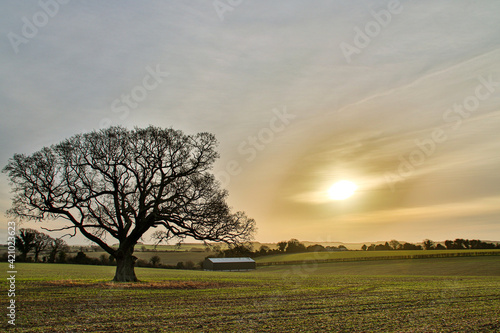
(291, 246)
(108, 260)
(55, 250)
(36, 246)
(457, 244)
(33, 241)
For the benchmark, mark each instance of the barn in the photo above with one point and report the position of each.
(229, 264)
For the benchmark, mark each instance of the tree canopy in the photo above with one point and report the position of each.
(116, 184)
(26, 241)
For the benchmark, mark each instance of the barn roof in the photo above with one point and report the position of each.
(224, 260)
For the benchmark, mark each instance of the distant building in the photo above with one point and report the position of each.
(229, 264)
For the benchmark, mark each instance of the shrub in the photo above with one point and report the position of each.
(155, 260)
(142, 263)
(189, 265)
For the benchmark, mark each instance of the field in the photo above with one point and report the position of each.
(173, 257)
(427, 295)
(166, 258)
(357, 255)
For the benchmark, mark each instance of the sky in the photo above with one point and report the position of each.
(400, 97)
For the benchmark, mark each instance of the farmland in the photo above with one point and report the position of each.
(366, 255)
(166, 257)
(428, 295)
(173, 257)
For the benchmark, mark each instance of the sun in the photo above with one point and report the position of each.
(342, 189)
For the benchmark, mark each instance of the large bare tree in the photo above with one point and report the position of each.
(116, 184)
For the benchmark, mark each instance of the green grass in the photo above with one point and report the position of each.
(166, 258)
(461, 266)
(360, 254)
(429, 295)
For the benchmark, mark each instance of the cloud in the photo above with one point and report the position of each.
(353, 119)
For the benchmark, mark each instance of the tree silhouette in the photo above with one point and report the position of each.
(294, 246)
(56, 245)
(25, 242)
(428, 244)
(440, 247)
(118, 184)
(264, 249)
(395, 244)
(42, 241)
(155, 260)
(315, 248)
(282, 246)
(239, 250)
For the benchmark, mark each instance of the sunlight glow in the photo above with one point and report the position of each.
(342, 189)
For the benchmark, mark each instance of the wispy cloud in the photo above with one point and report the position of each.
(353, 119)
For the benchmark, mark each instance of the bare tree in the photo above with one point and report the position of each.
(449, 244)
(25, 242)
(118, 184)
(56, 245)
(264, 249)
(460, 243)
(293, 246)
(42, 241)
(282, 246)
(428, 244)
(395, 244)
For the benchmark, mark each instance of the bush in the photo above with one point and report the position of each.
(80, 258)
(142, 263)
(155, 261)
(61, 258)
(189, 265)
(104, 259)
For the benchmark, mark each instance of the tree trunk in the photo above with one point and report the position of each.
(52, 256)
(125, 267)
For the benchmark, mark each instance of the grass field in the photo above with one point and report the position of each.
(306, 256)
(172, 257)
(167, 258)
(429, 295)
